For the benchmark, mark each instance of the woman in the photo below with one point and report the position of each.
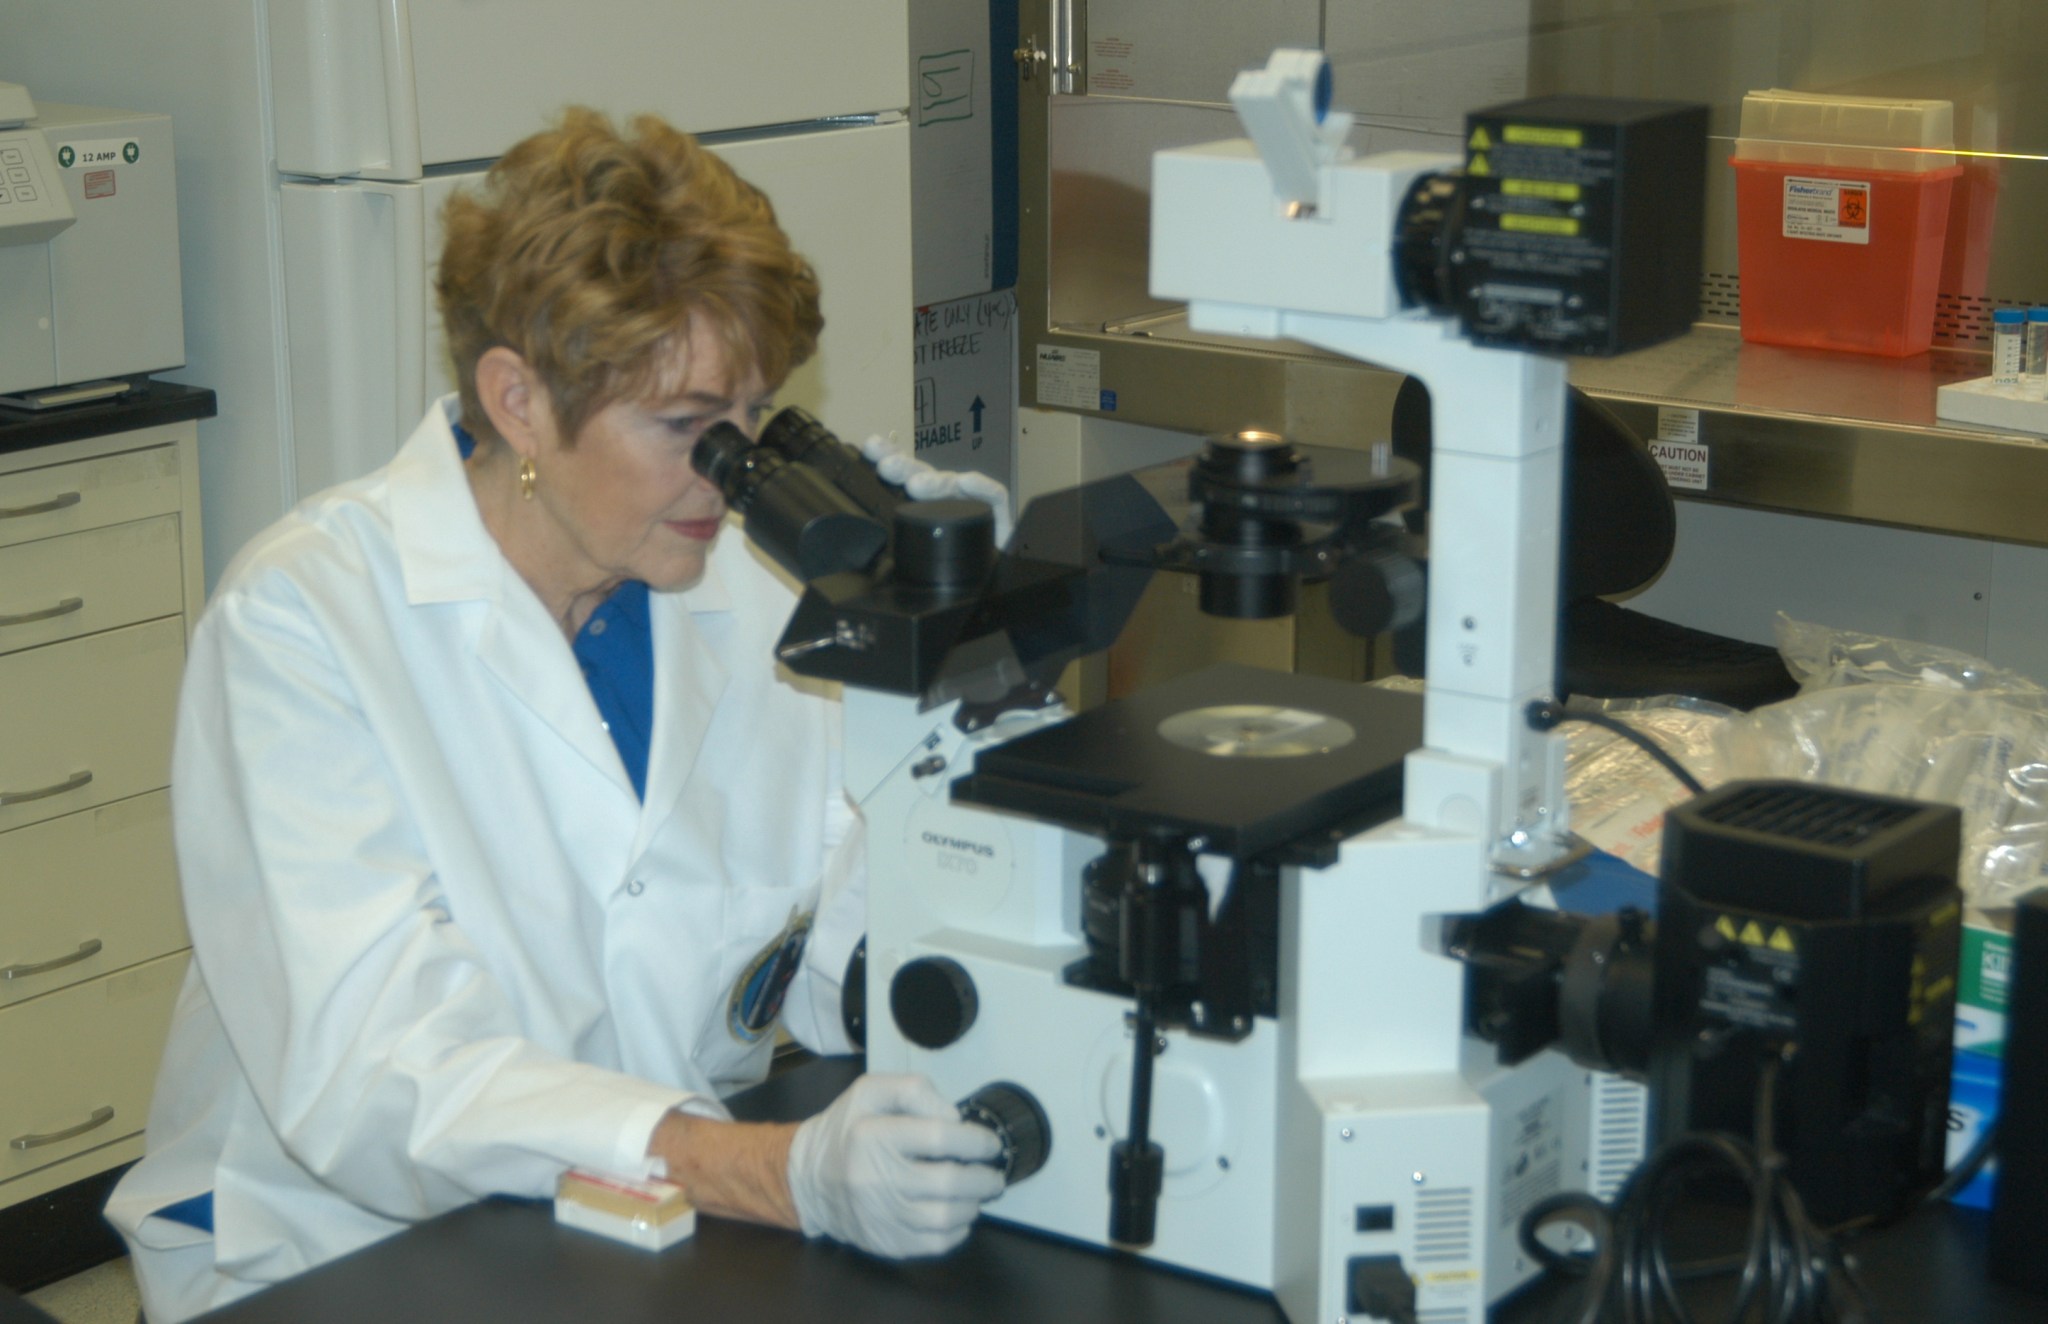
(489, 800)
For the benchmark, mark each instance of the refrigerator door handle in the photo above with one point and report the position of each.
(409, 289)
(401, 102)
(343, 100)
(356, 316)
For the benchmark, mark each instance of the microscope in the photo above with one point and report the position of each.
(1242, 966)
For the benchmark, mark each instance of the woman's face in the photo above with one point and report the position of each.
(625, 494)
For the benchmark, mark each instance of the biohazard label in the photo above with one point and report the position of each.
(1834, 210)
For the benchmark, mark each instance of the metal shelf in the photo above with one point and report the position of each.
(1846, 436)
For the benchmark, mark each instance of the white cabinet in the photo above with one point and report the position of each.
(100, 583)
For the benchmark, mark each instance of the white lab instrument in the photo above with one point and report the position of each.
(89, 282)
(319, 139)
(1361, 1142)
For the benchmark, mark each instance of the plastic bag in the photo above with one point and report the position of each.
(1618, 793)
(1918, 721)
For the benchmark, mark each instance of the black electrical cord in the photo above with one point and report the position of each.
(1546, 715)
(1597, 1268)
(1788, 1271)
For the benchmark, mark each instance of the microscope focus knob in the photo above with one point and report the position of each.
(933, 1001)
(1018, 1121)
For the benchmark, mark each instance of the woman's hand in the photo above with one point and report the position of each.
(892, 1169)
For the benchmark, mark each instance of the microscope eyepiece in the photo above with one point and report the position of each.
(793, 511)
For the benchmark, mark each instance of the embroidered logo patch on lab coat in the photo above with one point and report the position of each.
(757, 998)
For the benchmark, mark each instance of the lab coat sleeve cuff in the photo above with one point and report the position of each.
(636, 1132)
(696, 1105)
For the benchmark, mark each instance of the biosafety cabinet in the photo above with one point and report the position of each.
(1825, 480)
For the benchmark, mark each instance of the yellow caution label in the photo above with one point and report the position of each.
(1542, 135)
(1549, 189)
(1481, 140)
(1478, 166)
(1562, 225)
(1752, 933)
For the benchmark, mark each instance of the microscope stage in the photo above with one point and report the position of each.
(1248, 759)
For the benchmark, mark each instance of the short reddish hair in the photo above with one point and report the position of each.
(589, 253)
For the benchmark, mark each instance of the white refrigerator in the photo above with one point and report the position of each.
(317, 140)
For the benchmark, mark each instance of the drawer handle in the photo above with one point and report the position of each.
(43, 507)
(71, 783)
(90, 947)
(100, 1117)
(64, 608)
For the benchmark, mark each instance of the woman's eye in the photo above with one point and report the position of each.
(688, 425)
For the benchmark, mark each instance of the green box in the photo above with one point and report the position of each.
(1983, 984)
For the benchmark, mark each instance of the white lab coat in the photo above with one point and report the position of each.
(442, 949)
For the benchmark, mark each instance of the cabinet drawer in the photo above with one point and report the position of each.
(88, 721)
(87, 893)
(88, 494)
(81, 1063)
(81, 583)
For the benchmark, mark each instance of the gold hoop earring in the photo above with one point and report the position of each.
(526, 480)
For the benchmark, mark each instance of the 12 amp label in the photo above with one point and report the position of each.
(1834, 210)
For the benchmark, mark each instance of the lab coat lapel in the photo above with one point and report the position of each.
(522, 647)
(450, 557)
(690, 674)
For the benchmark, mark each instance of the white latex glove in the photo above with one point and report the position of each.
(892, 1169)
(925, 483)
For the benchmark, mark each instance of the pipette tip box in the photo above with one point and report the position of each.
(640, 1211)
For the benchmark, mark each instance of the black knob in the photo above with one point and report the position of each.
(933, 1001)
(1136, 1175)
(945, 544)
(1014, 1115)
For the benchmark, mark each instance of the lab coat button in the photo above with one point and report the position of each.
(636, 887)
